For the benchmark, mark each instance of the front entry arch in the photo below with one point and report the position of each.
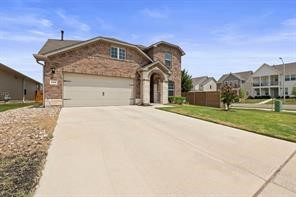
(154, 83)
(156, 88)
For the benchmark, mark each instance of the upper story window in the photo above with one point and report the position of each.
(168, 59)
(287, 78)
(293, 77)
(118, 53)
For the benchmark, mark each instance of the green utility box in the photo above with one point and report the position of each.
(278, 105)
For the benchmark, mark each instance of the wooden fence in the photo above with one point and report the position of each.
(211, 99)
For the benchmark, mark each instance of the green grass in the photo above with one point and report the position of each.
(8, 106)
(279, 125)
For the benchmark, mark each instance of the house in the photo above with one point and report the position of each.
(204, 83)
(239, 80)
(107, 71)
(16, 86)
(270, 80)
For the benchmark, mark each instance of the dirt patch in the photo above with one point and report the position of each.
(25, 135)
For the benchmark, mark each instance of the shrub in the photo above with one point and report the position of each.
(177, 100)
(228, 96)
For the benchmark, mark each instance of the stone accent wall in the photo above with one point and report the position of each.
(157, 53)
(90, 59)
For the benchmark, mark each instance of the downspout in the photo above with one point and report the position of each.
(43, 95)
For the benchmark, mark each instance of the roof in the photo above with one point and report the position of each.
(208, 80)
(165, 43)
(201, 80)
(240, 75)
(52, 47)
(10, 70)
(198, 80)
(289, 67)
(54, 44)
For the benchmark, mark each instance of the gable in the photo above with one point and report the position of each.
(265, 70)
(231, 77)
(91, 41)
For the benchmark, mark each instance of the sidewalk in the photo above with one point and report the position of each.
(291, 108)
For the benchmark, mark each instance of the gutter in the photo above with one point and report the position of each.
(38, 59)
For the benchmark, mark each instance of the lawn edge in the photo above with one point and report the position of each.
(226, 124)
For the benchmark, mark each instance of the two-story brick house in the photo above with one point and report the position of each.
(107, 71)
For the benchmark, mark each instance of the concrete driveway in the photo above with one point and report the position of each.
(141, 151)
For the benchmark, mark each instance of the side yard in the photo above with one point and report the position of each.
(278, 125)
(25, 135)
(8, 106)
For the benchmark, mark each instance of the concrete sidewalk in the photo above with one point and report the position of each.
(142, 151)
(263, 106)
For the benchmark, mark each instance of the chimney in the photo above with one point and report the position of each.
(62, 35)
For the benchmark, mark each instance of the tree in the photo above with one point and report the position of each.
(242, 93)
(294, 91)
(186, 81)
(228, 95)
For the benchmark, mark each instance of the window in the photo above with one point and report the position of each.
(293, 77)
(118, 53)
(114, 52)
(287, 78)
(168, 59)
(122, 54)
(286, 91)
(171, 88)
(210, 86)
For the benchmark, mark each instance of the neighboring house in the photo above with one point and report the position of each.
(17, 86)
(107, 71)
(239, 80)
(269, 80)
(204, 83)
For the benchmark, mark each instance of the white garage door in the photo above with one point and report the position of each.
(82, 90)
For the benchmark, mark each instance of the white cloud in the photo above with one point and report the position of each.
(290, 22)
(155, 13)
(27, 20)
(30, 36)
(73, 22)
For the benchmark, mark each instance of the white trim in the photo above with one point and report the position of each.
(118, 52)
(94, 40)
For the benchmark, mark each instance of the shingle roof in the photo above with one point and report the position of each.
(166, 43)
(10, 70)
(54, 44)
(198, 80)
(241, 75)
(290, 67)
(208, 80)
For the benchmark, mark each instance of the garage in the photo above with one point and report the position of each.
(82, 90)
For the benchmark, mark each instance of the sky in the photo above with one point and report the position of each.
(217, 36)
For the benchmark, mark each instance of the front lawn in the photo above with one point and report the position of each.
(280, 125)
(8, 106)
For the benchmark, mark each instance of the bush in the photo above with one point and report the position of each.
(177, 100)
(262, 97)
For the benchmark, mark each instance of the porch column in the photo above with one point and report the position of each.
(164, 97)
(145, 91)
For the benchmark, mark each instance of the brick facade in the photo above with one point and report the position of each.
(94, 59)
(157, 53)
(91, 59)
